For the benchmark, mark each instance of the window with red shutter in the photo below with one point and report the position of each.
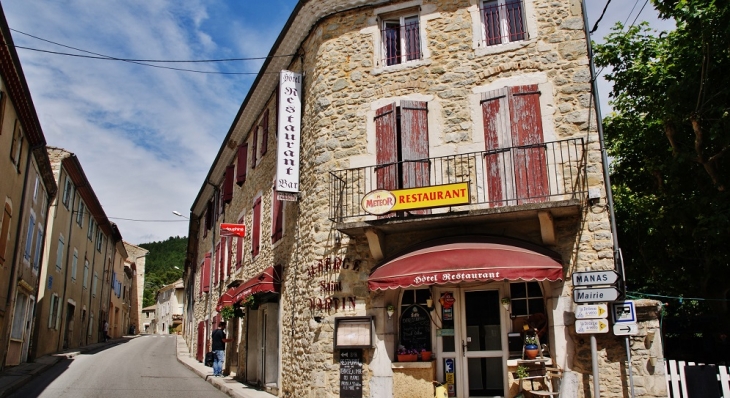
(277, 222)
(218, 257)
(265, 133)
(228, 184)
(256, 228)
(402, 148)
(202, 277)
(239, 248)
(206, 273)
(242, 164)
(512, 118)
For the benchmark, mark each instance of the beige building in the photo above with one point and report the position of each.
(147, 320)
(82, 244)
(169, 308)
(26, 190)
(136, 262)
(426, 177)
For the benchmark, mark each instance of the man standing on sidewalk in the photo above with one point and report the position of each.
(219, 348)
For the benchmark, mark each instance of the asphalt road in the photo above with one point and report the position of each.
(144, 366)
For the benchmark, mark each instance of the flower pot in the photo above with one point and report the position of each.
(531, 351)
(407, 357)
(426, 356)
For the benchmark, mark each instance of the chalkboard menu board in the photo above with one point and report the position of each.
(415, 328)
(351, 373)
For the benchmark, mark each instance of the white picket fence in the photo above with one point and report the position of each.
(677, 382)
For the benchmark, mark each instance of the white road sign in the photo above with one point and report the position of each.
(625, 329)
(595, 294)
(589, 326)
(594, 278)
(624, 312)
(591, 311)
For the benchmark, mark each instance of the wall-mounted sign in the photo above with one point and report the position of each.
(351, 374)
(415, 328)
(233, 230)
(594, 278)
(286, 196)
(354, 332)
(380, 201)
(289, 130)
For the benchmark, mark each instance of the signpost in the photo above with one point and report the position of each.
(591, 311)
(625, 329)
(595, 294)
(588, 326)
(593, 278)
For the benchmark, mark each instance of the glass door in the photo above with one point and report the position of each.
(482, 344)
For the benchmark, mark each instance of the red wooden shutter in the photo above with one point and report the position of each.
(242, 164)
(386, 145)
(206, 273)
(277, 221)
(201, 341)
(265, 133)
(228, 184)
(218, 264)
(414, 146)
(239, 248)
(202, 276)
(530, 159)
(256, 228)
(222, 260)
(255, 151)
(496, 123)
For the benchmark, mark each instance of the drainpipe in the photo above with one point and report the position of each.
(13, 283)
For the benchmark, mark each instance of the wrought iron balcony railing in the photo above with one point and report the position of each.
(551, 171)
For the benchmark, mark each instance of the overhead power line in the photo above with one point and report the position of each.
(143, 62)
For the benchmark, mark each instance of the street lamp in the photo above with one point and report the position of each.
(177, 213)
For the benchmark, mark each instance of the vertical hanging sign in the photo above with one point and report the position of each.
(289, 129)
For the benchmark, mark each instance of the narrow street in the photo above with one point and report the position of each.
(144, 366)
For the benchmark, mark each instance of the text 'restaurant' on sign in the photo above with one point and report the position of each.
(289, 128)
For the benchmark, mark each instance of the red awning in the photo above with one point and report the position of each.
(269, 281)
(228, 298)
(467, 260)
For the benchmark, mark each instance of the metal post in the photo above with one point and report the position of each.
(594, 365)
(628, 364)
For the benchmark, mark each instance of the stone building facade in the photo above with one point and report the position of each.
(447, 152)
(136, 262)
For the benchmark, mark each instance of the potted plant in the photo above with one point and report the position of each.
(390, 310)
(505, 302)
(521, 372)
(531, 348)
(425, 354)
(227, 312)
(407, 354)
(250, 301)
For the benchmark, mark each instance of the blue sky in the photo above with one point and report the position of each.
(147, 136)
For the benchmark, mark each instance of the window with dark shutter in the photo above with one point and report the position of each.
(7, 216)
(512, 118)
(255, 149)
(265, 133)
(228, 184)
(277, 221)
(256, 228)
(221, 261)
(242, 164)
(402, 148)
(206, 273)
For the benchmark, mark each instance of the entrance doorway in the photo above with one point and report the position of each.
(472, 341)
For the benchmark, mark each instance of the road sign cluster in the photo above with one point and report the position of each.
(592, 290)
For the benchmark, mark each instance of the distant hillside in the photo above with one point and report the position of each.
(163, 265)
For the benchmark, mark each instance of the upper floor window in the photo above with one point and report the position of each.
(67, 192)
(401, 39)
(4, 232)
(80, 214)
(256, 228)
(90, 232)
(29, 237)
(17, 145)
(503, 21)
(38, 247)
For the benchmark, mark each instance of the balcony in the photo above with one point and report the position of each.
(503, 184)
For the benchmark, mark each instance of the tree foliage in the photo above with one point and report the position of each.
(669, 141)
(164, 264)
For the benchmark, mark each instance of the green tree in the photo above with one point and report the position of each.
(668, 138)
(163, 265)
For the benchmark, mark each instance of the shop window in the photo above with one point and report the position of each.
(503, 21)
(526, 298)
(414, 322)
(401, 39)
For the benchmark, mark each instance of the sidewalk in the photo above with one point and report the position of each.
(12, 378)
(228, 385)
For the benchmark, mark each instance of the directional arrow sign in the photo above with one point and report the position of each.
(594, 278)
(595, 294)
(589, 326)
(591, 311)
(625, 329)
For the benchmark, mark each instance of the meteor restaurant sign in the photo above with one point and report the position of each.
(381, 201)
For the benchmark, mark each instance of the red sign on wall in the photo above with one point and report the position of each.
(233, 230)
